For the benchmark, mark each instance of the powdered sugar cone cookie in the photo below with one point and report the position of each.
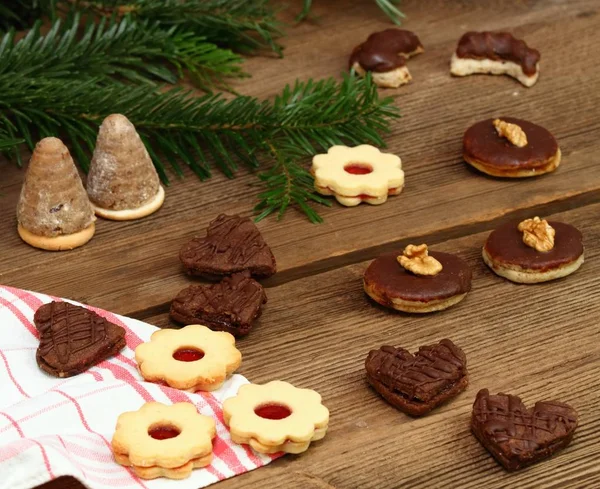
(54, 212)
(122, 182)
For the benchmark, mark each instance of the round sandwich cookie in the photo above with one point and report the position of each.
(511, 148)
(416, 281)
(534, 250)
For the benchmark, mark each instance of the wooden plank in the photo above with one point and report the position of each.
(443, 198)
(539, 342)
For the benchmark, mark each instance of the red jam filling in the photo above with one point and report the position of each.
(188, 355)
(273, 411)
(163, 432)
(358, 169)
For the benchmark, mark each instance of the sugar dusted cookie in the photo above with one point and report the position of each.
(384, 54)
(496, 53)
(276, 417)
(359, 174)
(164, 441)
(534, 250)
(417, 281)
(511, 148)
(193, 358)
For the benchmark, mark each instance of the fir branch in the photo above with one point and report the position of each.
(388, 7)
(242, 25)
(138, 51)
(198, 131)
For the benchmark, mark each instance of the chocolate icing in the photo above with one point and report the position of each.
(73, 338)
(392, 281)
(419, 377)
(498, 46)
(232, 244)
(231, 305)
(386, 50)
(505, 246)
(483, 143)
(518, 436)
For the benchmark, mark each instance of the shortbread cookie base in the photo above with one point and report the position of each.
(130, 214)
(178, 473)
(350, 201)
(287, 447)
(389, 79)
(57, 243)
(520, 275)
(412, 306)
(552, 165)
(417, 408)
(468, 66)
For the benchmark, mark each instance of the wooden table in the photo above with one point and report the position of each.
(535, 341)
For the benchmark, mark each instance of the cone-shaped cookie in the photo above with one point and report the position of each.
(54, 212)
(122, 183)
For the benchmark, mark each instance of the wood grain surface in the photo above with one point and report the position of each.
(538, 342)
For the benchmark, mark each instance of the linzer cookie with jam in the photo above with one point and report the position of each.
(276, 417)
(517, 436)
(496, 53)
(230, 305)
(416, 384)
(164, 441)
(73, 338)
(511, 148)
(534, 250)
(384, 54)
(232, 244)
(417, 281)
(359, 174)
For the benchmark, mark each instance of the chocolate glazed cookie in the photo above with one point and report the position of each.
(415, 384)
(507, 254)
(384, 54)
(393, 286)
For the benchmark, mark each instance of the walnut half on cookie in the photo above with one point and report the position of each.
(359, 174)
(384, 54)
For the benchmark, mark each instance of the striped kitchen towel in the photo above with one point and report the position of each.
(50, 427)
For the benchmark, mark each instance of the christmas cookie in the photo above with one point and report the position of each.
(517, 436)
(54, 212)
(232, 244)
(276, 417)
(509, 147)
(384, 54)
(73, 339)
(232, 305)
(122, 182)
(416, 281)
(193, 358)
(359, 174)
(164, 441)
(415, 384)
(496, 53)
(534, 250)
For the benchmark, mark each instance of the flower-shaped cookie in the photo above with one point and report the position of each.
(191, 358)
(276, 417)
(359, 174)
(164, 441)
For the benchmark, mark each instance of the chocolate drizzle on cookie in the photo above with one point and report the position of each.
(230, 305)
(498, 46)
(518, 436)
(232, 244)
(73, 338)
(386, 50)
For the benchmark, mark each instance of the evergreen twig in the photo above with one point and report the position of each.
(388, 7)
(176, 126)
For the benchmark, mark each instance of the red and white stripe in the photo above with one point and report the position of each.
(51, 427)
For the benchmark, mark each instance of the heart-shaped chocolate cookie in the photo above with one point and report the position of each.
(232, 244)
(517, 436)
(73, 338)
(415, 384)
